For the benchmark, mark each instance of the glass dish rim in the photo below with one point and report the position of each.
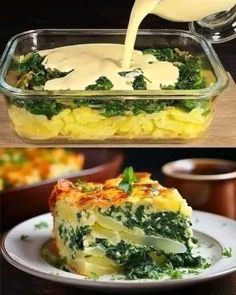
(211, 91)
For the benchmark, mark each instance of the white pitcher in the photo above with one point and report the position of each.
(214, 19)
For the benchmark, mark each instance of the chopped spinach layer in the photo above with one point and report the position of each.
(73, 237)
(137, 261)
(39, 106)
(33, 74)
(108, 108)
(167, 224)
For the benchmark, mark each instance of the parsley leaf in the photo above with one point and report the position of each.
(227, 252)
(129, 178)
(24, 237)
(93, 276)
(40, 225)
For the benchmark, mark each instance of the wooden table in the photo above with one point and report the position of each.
(222, 132)
(16, 282)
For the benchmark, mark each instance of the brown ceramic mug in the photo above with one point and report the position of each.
(207, 184)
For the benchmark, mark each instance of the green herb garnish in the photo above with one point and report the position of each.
(24, 237)
(85, 188)
(93, 276)
(174, 273)
(41, 225)
(227, 252)
(129, 178)
(102, 83)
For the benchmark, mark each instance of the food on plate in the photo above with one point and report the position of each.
(25, 166)
(106, 117)
(130, 225)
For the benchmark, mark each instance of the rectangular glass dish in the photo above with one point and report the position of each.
(183, 115)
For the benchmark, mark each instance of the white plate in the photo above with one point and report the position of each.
(214, 233)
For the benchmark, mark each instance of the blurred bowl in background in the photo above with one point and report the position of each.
(20, 203)
(206, 184)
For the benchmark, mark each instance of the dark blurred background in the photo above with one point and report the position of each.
(152, 159)
(26, 15)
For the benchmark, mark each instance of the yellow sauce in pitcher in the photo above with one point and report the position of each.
(174, 10)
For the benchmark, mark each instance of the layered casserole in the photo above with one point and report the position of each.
(78, 91)
(130, 225)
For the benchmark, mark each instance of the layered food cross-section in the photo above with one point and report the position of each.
(129, 225)
(99, 115)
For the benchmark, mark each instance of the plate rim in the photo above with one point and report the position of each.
(89, 283)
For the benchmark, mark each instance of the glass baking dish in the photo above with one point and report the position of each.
(86, 124)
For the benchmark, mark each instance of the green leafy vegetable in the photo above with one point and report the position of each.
(73, 236)
(173, 225)
(120, 108)
(24, 237)
(147, 270)
(166, 54)
(39, 106)
(227, 252)
(185, 260)
(139, 83)
(190, 68)
(102, 83)
(33, 74)
(189, 104)
(173, 272)
(110, 108)
(129, 178)
(41, 225)
(85, 188)
(190, 75)
(93, 276)
(137, 261)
